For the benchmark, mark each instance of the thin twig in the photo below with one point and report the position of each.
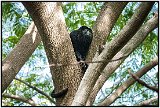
(38, 90)
(29, 101)
(76, 63)
(148, 102)
(142, 82)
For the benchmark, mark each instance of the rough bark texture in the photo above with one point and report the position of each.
(104, 23)
(110, 50)
(108, 101)
(137, 39)
(19, 55)
(50, 22)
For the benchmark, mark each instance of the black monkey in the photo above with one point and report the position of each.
(81, 40)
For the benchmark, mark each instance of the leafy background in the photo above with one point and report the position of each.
(15, 21)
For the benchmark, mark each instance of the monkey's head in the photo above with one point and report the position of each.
(85, 31)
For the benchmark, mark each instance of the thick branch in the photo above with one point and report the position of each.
(19, 55)
(128, 83)
(137, 39)
(104, 23)
(110, 50)
(38, 90)
(28, 101)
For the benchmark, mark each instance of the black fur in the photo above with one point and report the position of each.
(59, 94)
(81, 40)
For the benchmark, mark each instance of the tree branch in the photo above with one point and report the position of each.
(14, 61)
(128, 83)
(148, 101)
(105, 21)
(94, 70)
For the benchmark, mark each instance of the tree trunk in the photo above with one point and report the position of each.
(50, 22)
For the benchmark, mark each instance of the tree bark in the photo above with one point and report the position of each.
(50, 22)
(19, 55)
(137, 39)
(104, 23)
(110, 50)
